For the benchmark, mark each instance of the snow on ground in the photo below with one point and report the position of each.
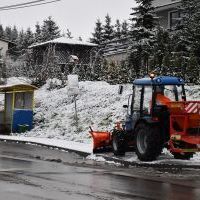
(98, 105)
(193, 92)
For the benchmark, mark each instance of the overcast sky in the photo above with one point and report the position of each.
(78, 16)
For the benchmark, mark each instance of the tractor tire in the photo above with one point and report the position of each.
(184, 156)
(148, 142)
(118, 143)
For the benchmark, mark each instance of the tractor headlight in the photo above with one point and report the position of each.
(158, 80)
(180, 80)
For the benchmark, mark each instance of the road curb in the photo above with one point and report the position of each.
(85, 154)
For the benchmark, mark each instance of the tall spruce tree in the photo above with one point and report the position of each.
(97, 36)
(145, 17)
(190, 33)
(142, 33)
(1, 31)
(14, 34)
(108, 29)
(38, 33)
(50, 30)
(28, 38)
(161, 52)
(8, 33)
(125, 29)
(20, 41)
(188, 37)
(118, 32)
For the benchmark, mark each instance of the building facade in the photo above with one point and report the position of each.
(66, 51)
(168, 16)
(116, 50)
(167, 12)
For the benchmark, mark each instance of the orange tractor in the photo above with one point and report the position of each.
(158, 115)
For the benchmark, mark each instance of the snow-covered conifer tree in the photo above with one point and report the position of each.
(125, 28)
(108, 29)
(38, 33)
(8, 33)
(161, 52)
(97, 36)
(50, 30)
(1, 31)
(20, 40)
(118, 33)
(28, 38)
(142, 33)
(187, 38)
(14, 34)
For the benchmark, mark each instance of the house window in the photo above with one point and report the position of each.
(19, 100)
(174, 19)
(23, 100)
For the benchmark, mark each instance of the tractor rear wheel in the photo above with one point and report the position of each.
(118, 143)
(184, 156)
(148, 142)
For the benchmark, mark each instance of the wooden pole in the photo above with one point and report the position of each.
(76, 115)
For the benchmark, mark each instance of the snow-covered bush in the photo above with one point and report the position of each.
(53, 84)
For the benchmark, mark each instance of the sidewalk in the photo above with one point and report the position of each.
(54, 143)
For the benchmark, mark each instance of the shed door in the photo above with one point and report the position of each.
(23, 110)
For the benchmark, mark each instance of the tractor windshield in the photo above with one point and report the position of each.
(173, 92)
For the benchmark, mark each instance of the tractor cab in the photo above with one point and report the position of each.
(159, 115)
(151, 97)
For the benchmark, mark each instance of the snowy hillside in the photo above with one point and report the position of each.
(99, 105)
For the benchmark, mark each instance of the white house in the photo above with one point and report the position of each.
(167, 11)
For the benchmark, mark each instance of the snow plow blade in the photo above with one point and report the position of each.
(101, 140)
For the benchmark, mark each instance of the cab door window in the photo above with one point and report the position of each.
(137, 98)
(147, 104)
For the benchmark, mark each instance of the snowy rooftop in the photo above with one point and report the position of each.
(64, 40)
(16, 87)
(17, 84)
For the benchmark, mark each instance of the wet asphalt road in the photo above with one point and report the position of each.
(26, 172)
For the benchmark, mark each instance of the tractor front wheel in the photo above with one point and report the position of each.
(148, 142)
(118, 143)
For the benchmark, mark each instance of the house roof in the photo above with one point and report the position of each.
(64, 40)
(161, 5)
(16, 87)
